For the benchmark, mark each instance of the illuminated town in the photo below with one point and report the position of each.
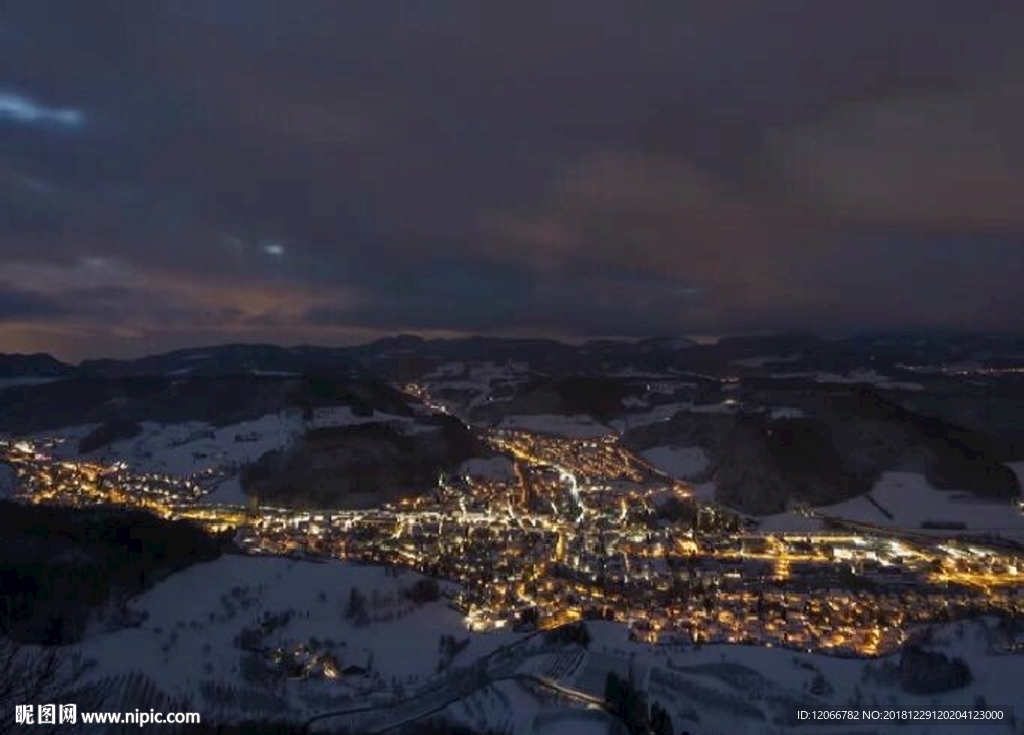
(584, 529)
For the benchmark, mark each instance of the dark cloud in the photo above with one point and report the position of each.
(16, 305)
(318, 171)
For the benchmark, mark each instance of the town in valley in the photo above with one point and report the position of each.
(584, 529)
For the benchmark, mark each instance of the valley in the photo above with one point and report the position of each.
(514, 517)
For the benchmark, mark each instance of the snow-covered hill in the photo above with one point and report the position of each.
(469, 386)
(906, 500)
(198, 642)
(189, 448)
(8, 481)
(870, 377)
(684, 463)
(15, 382)
(190, 638)
(741, 689)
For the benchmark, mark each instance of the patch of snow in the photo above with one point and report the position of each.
(786, 412)
(568, 722)
(471, 384)
(8, 480)
(190, 447)
(911, 500)
(67, 438)
(726, 406)
(723, 684)
(228, 492)
(857, 376)
(186, 448)
(15, 382)
(704, 492)
(791, 521)
(683, 463)
(194, 617)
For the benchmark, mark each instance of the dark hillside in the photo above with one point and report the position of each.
(851, 436)
(57, 565)
(215, 400)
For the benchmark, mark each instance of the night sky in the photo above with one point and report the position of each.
(322, 171)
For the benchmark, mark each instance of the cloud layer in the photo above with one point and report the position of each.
(328, 172)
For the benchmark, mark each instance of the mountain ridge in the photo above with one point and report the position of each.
(798, 350)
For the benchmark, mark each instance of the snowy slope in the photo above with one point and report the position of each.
(1018, 468)
(185, 449)
(474, 383)
(188, 644)
(16, 382)
(857, 376)
(910, 500)
(8, 481)
(190, 447)
(195, 616)
(683, 463)
(722, 686)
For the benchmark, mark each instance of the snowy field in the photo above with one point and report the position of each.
(683, 463)
(910, 500)
(561, 722)
(721, 689)
(189, 447)
(188, 647)
(228, 492)
(785, 412)
(184, 449)
(16, 382)
(8, 481)
(1018, 468)
(727, 407)
(857, 376)
(705, 492)
(475, 381)
(195, 617)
